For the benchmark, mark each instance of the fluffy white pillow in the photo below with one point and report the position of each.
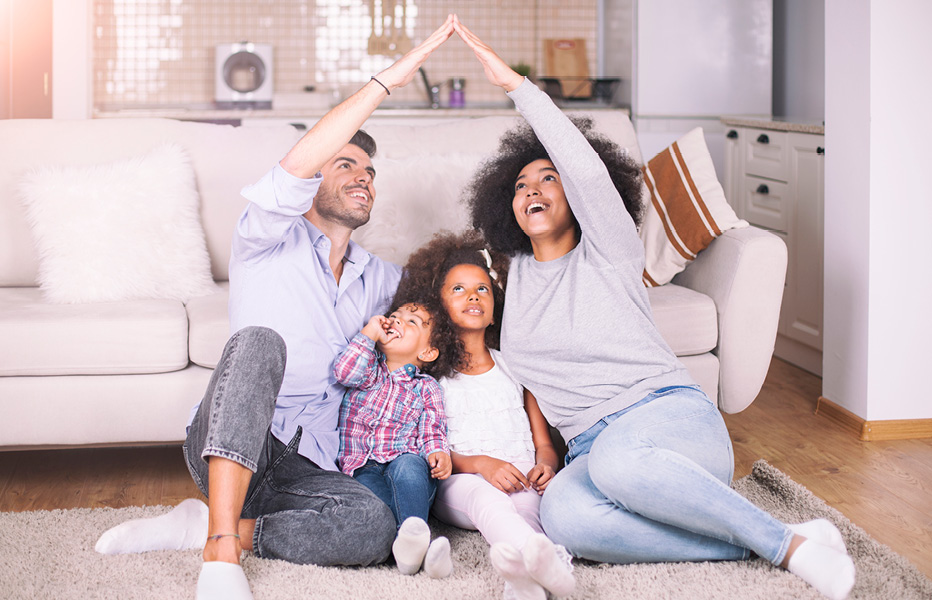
(119, 231)
(686, 208)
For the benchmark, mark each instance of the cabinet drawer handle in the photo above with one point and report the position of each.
(820, 150)
(732, 135)
(763, 189)
(763, 139)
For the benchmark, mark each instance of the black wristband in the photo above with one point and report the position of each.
(381, 84)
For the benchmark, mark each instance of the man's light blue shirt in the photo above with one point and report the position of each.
(280, 278)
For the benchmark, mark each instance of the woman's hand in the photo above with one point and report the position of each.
(503, 475)
(496, 71)
(539, 476)
(403, 70)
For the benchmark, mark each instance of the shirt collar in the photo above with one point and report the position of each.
(355, 254)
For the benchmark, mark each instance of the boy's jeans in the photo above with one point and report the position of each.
(304, 514)
(650, 483)
(404, 484)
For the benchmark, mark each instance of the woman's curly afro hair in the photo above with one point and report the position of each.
(492, 190)
(422, 283)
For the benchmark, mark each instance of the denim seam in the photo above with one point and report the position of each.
(194, 475)
(256, 534)
(234, 456)
(233, 346)
(784, 547)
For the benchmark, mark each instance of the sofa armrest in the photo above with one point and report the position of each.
(743, 271)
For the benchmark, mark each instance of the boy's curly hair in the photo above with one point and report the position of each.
(422, 281)
(492, 190)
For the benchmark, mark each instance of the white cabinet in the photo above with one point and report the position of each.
(774, 179)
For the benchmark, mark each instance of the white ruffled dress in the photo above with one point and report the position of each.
(485, 414)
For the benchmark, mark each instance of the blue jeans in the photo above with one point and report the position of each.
(404, 484)
(304, 514)
(650, 483)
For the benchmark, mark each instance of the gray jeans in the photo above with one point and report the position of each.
(304, 514)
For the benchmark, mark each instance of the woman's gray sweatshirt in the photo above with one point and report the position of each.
(578, 331)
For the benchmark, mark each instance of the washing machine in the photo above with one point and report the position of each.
(244, 75)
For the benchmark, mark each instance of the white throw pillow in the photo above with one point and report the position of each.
(118, 231)
(685, 208)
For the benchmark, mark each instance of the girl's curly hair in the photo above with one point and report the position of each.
(422, 282)
(492, 190)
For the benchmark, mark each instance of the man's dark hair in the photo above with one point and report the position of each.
(364, 141)
(492, 190)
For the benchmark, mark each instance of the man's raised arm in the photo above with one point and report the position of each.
(336, 128)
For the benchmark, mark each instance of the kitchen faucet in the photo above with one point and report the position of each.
(432, 90)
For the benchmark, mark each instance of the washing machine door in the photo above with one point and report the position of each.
(244, 72)
(244, 75)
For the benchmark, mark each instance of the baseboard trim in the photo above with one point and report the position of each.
(869, 431)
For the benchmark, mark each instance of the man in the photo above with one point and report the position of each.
(316, 289)
(262, 444)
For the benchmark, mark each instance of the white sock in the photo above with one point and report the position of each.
(518, 582)
(437, 563)
(183, 528)
(822, 532)
(824, 568)
(411, 544)
(548, 566)
(222, 581)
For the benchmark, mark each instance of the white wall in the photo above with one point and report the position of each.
(617, 35)
(878, 208)
(799, 58)
(71, 59)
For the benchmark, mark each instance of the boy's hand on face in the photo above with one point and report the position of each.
(377, 329)
(539, 476)
(441, 466)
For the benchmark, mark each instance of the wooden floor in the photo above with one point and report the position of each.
(885, 487)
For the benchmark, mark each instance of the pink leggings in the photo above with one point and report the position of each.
(468, 501)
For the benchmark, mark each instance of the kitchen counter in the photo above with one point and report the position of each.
(312, 113)
(777, 123)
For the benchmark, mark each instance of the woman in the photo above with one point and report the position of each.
(650, 460)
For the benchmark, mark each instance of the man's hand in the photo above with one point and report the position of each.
(496, 70)
(377, 329)
(334, 130)
(539, 476)
(440, 464)
(405, 68)
(503, 475)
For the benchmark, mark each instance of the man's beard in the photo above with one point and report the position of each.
(328, 205)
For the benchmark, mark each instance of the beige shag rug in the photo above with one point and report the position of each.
(49, 554)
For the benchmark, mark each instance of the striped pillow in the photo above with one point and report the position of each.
(687, 208)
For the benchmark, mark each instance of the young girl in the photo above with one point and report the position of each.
(503, 458)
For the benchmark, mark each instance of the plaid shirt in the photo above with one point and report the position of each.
(386, 414)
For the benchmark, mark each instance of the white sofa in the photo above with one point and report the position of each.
(127, 373)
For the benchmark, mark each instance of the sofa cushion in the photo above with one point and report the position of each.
(426, 186)
(123, 230)
(687, 319)
(685, 207)
(225, 159)
(135, 336)
(209, 326)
